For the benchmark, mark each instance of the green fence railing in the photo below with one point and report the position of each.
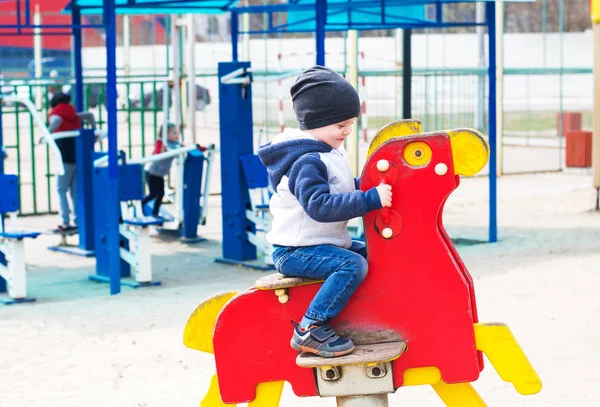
(31, 160)
(441, 98)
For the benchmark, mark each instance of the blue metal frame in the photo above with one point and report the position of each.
(321, 20)
(416, 25)
(490, 11)
(77, 58)
(322, 7)
(1, 144)
(2, 257)
(234, 36)
(235, 112)
(109, 15)
(193, 167)
(158, 7)
(340, 8)
(109, 11)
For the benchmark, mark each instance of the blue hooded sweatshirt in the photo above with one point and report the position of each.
(315, 192)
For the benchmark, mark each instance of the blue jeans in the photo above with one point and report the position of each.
(64, 184)
(342, 269)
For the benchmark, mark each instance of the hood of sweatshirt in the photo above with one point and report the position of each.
(280, 154)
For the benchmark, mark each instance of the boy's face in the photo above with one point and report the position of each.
(334, 134)
(173, 135)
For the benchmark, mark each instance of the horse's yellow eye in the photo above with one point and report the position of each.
(417, 154)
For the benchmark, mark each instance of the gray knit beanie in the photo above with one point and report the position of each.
(322, 97)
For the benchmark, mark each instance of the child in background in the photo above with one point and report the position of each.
(64, 117)
(157, 170)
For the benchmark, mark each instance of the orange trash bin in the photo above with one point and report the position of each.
(579, 148)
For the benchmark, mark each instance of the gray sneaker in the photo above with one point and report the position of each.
(321, 340)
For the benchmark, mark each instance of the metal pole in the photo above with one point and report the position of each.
(154, 24)
(1, 144)
(113, 165)
(499, 86)
(491, 23)
(234, 36)
(544, 31)
(398, 61)
(37, 54)
(166, 115)
(352, 77)
(192, 102)
(176, 43)
(480, 30)
(84, 144)
(373, 400)
(126, 45)
(77, 58)
(2, 260)
(561, 136)
(596, 115)
(321, 18)
(235, 115)
(407, 74)
(246, 36)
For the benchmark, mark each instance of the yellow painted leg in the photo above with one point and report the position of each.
(267, 395)
(418, 376)
(458, 395)
(213, 397)
(507, 357)
(198, 332)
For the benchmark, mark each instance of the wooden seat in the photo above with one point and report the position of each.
(279, 281)
(363, 354)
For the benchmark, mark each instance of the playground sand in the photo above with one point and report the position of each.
(78, 346)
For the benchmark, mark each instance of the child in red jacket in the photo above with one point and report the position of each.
(64, 117)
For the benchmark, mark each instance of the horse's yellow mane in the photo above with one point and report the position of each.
(400, 128)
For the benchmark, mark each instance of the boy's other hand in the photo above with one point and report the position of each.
(385, 194)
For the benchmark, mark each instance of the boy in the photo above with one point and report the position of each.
(315, 197)
(64, 117)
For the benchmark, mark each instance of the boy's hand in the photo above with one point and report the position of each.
(385, 194)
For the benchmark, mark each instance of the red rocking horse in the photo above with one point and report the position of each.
(414, 318)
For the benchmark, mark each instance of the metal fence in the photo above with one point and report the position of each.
(31, 161)
(441, 99)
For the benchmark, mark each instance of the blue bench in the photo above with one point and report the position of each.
(12, 244)
(144, 221)
(135, 229)
(19, 235)
(257, 180)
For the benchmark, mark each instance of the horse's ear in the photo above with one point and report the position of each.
(470, 151)
(400, 128)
